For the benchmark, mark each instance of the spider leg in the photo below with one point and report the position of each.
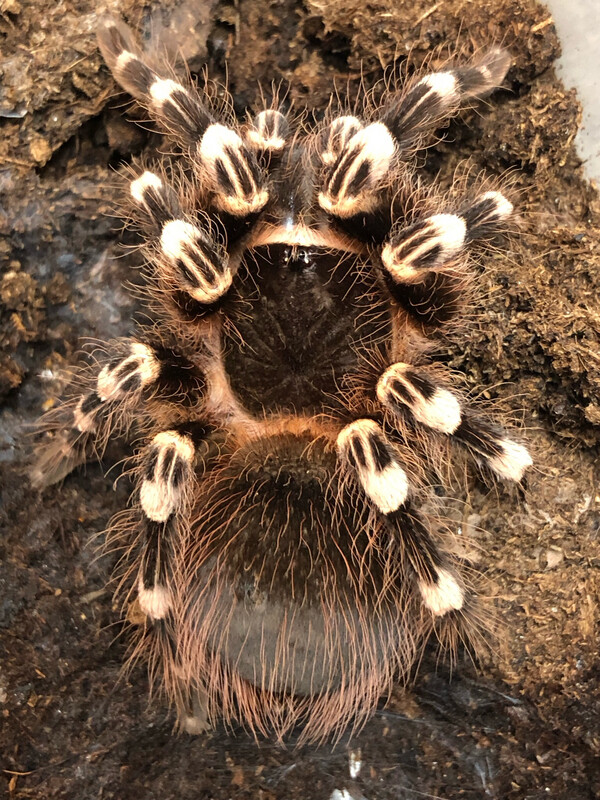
(425, 263)
(231, 169)
(425, 104)
(362, 162)
(359, 171)
(436, 242)
(136, 373)
(377, 464)
(185, 252)
(165, 481)
(335, 137)
(414, 392)
(268, 132)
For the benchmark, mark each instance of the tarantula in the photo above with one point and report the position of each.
(285, 537)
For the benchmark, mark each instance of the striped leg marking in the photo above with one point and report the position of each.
(403, 388)
(268, 132)
(168, 472)
(125, 376)
(432, 243)
(137, 369)
(178, 108)
(335, 138)
(234, 174)
(82, 427)
(491, 447)
(406, 390)
(358, 172)
(376, 462)
(192, 259)
(360, 158)
(365, 447)
(436, 97)
(440, 590)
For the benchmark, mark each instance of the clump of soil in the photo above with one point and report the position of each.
(525, 725)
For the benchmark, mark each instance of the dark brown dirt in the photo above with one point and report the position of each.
(527, 724)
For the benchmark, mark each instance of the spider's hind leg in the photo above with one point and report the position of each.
(165, 485)
(166, 480)
(420, 396)
(379, 466)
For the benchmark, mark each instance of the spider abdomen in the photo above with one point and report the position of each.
(287, 593)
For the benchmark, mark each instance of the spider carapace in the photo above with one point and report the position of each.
(286, 541)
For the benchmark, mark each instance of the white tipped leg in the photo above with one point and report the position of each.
(156, 200)
(424, 246)
(512, 461)
(167, 471)
(233, 173)
(376, 462)
(439, 589)
(404, 388)
(408, 391)
(127, 375)
(442, 595)
(435, 242)
(359, 172)
(85, 413)
(487, 215)
(81, 428)
(192, 710)
(491, 447)
(201, 267)
(155, 602)
(178, 108)
(365, 448)
(193, 260)
(268, 132)
(434, 98)
(168, 475)
(336, 137)
(147, 182)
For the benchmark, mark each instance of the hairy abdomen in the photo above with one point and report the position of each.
(287, 592)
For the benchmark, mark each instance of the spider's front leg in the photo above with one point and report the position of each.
(425, 263)
(361, 162)
(134, 375)
(188, 262)
(226, 165)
